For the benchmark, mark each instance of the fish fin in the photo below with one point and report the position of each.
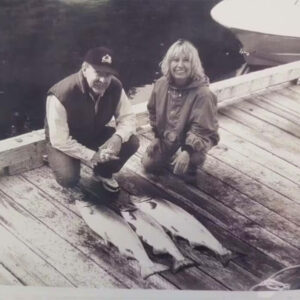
(226, 258)
(105, 239)
(172, 235)
(181, 264)
(155, 268)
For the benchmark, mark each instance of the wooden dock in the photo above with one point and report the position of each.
(247, 196)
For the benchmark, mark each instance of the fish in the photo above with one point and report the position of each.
(182, 224)
(113, 229)
(151, 232)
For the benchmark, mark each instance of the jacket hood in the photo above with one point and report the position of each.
(195, 83)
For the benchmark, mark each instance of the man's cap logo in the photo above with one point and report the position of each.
(106, 59)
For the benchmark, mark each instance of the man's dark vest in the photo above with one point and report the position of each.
(84, 120)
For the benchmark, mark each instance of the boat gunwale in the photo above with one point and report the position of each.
(216, 16)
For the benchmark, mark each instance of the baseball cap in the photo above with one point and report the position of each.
(102, 58)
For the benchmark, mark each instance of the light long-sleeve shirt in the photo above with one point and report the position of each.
(59, 133)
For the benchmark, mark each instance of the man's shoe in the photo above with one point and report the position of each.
(110, 184)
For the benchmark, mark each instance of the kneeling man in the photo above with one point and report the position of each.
(78, 110)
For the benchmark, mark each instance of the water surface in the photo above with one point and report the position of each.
(43, 41)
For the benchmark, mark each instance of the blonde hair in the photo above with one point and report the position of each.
(187, 49)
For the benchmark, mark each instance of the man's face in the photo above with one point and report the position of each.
(97, 78)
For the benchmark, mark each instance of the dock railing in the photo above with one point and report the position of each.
(25, 152)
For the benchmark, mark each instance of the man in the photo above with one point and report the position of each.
(77, 111)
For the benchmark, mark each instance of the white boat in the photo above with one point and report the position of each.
(269, 30)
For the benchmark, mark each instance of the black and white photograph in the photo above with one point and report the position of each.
(149, 149)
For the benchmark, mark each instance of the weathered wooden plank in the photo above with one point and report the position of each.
(259, 155)
(287, 141)
(292, 94)
(22, 153)
(31, 231)
(193, 279)
(260, 193)
(277, 146)
(256, 81)
(7, 278)
(295, 88)
(270, 106)
(233, 276)
(57, 201)
(257, 172)
(269, 117)
(26, 267)
(284, 99)
(256, 212)
(21, 140)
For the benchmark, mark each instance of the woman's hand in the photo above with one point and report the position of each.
(181, 163)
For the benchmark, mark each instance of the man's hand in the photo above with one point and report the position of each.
(181, 163)
(103, 155)
(113, 145)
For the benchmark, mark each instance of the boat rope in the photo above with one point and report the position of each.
(273, 284)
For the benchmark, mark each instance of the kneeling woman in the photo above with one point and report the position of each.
(182, 113)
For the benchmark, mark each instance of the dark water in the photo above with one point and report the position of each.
(43, 41)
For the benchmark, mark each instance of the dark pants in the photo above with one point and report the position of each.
(66, 169)
(162, 155)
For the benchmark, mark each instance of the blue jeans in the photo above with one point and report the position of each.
(66, 169)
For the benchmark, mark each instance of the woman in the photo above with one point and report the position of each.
(182, 113)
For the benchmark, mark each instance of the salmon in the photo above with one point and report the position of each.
(182, 224)
(151, 232)
(113, 229)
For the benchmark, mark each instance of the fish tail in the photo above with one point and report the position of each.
(181, 264)
(155, 268)
(227, 257)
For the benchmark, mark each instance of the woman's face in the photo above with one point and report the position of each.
(180, 69)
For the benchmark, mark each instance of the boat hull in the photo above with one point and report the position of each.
(269, 30)
(267, 49)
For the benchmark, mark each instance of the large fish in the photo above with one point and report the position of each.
(151, 232)
(180, 223)
(115, 230)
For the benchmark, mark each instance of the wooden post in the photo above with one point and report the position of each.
(21, 153)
